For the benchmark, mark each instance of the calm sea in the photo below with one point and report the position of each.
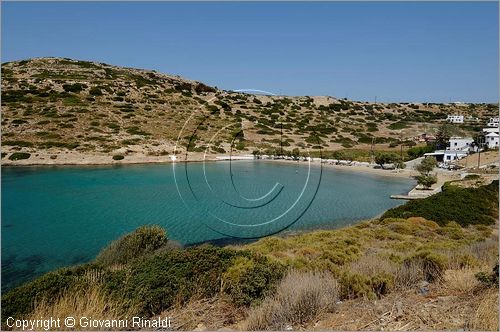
(59, 216)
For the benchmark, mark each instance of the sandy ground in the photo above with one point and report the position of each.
(138, 157)
(485, 158)
(86, 158)
(405, 173)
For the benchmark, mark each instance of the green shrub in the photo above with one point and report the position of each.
(382, 158)
(137, 131)
(142, 241)
(300, 298)
(432, 264)
(118, 157)
(56, 144)
(157, 282)
(95, 91)
(354, 285)
(426, 180)
(466, 206)
(489, 279)
(419, 151)
(472, 177)
(398, 125)
(249, 278)
(19, 156)
(20, 301)
(17, 143)
(19, 121)
(76, 87)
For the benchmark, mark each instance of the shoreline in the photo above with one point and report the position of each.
(405, 173)
(92, 160)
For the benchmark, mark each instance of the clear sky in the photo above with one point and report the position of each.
(436, 52)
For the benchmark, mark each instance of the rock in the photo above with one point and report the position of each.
(424, 288)
(399, 309)
(200, 327)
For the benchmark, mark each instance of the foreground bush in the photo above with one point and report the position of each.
(466, 206)
(248, 278)
(88, 302)
(174, 276)
(354, 285)
(430, 264)
(140, 273)
(21, 300)
(300, 298)
(142, 241)
(489, 279)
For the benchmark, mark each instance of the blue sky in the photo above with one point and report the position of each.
(436, 52)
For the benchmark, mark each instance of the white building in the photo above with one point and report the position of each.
(471, 118)
(237, 157)
(455, 118)
(493, 122)
(460, 143)
(446, 156)
(458, 148)
(492, 140)
(491, 130)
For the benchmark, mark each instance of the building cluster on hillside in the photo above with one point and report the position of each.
(461, 147)
(457, 118)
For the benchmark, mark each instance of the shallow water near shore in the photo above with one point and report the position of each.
(59, 216)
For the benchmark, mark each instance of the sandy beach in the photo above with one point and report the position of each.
(60, 158)
(76, 158)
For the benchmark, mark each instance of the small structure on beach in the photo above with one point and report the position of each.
(236, 157)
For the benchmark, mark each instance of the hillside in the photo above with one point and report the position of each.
(57, 110)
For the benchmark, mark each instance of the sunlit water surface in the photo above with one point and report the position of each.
(59, 216)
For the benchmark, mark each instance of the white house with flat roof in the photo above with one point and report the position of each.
(458, 148)
(493, 122)
(446, 156)
(491, 140)
(459, 143)
(455, 118)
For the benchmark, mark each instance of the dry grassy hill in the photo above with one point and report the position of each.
(55, 107)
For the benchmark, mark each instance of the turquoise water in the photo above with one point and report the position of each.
(59, 216)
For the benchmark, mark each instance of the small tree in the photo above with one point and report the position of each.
(426, 180)
(385, 158)
(399, 164)
(443, 135)
(425, 168)
(427, 165)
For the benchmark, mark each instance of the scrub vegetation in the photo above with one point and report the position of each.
(399, 263)
(96, 108)
(465, 206)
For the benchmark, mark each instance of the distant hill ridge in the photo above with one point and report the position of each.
(59, 105)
